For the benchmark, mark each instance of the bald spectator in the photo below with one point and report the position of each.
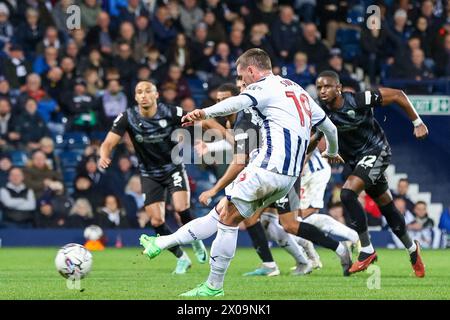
(18, 201)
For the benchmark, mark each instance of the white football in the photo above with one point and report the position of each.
(73, 261)
(93, 232)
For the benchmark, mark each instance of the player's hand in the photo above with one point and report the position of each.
(201, 148)
(333, 160)
(104, 163)
(421, 131)
(195, 115)
(206, 196)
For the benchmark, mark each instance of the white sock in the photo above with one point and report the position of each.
(197, 229)
(341, 249)
(328, 224)
(412, 248)
(222, 251)
(308, 246)
(369, 249)
(285, 240)
(184, 256)
(271, 265)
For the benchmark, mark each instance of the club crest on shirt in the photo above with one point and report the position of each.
(163, 123)
(139, 138)
(351, 114)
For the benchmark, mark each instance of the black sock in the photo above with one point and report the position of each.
(396, 222)
(356, 213)
(259, 241)
(185, 216)
(163, 230)
(309, 232)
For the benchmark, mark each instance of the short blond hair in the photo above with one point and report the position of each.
(255, 57)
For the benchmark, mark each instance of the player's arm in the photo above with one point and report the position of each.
(330, 132)
(390, 96)
(223, 108)
(212, 124)
(112, 140)
(234, 168)
(314, 142)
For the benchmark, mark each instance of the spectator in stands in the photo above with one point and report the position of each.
(6, 28)
(133, 10)
(17, 200)
(118, 179)
(216, 31)
(424, 34)
(133, 200)
(47, 218)
(285, 33)
(60, 15)
(314, 48)
(417, 71)
(53, 83)
(336, 64)
(220, 10)
(39, 177)
(81, 215)
(127, 35)
(5, 167)
(202, 50)
(69, 75)
(444, 221)
(156, 63)
(144, 33)
(258, 39)
(222, 53)
(71, 50)
(400, 30)
(427, 11)
(89, 168)
(126, 65)
(102, 35)
(47, 146)
(112, 215)
(180, 54)
(337, 212)
(94, 83)
(264, 11)
(114, 102)
(402, 206)
(300, 71)
(421, 228)
(9, 137)
(51, 39)
(188, 104)
(31, 127)
(236, 43)
(30, 32)
(44, 62)
(90, 9)
(306, 10)
(16, 67)
(373, 51)
(164, 28)
(190, 16)
(78, 37)
(94, 61)
(84, 189)
(169, 94)
(442, 58)
(175, 76)
(6, 92)
(33, 89)
(402, 192)
(221, 75)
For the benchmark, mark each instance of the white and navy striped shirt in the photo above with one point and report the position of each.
(287, 113)
(315, 163)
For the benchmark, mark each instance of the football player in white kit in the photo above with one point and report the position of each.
(288, 114)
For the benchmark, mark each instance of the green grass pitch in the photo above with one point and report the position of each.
(29, 273)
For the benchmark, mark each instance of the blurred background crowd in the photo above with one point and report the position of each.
(61, 89)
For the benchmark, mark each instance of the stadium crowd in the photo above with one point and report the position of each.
(61, 89)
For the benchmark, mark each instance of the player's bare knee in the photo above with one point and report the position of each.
(180, 207)
(157, 221)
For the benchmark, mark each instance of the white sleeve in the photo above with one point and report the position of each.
(317, 113)
(217, 146)
(228, 106)
(330, 131)
(257, 94)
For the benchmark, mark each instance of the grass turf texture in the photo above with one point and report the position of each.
(29, 273)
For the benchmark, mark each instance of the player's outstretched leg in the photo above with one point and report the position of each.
(367, 255)
(197, 245)
(311, 252)
(331, 226)
(288, 242)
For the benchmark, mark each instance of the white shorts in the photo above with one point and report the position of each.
(256, 188)
(313, 186)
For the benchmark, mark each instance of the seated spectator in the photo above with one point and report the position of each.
(50, 40)
(126, 65)
(216, 31)
(190, 16)
(89, 9)
(94, 61)
(132, 11)
(222, 54)
(114, 102)
(88, 167)
(127, 35)
(336, 64)
(47, 146)
(84, 190)
(402, 192)
(5, 167)
(38, 176)
(6, 28)
(221, 75)
(258, 38)
(46, 217)
(180, 54)
(202, 50)
(31, 127)
(44, 62)
(175, 76)
(117, 179)
(60, 15)
(17, 67)
(401, 205)
(69, 75)
(300, 71)
(312, 46)
(169, 94)
(421, 228)
(156, 63)
(444, 221)
(188, 104)
(133, 200)
(6, 92)
(9, 137)
(17, 200)
(53, 84)
(94, 84)
(144, 33)
(30, 31)
(102, 34)
(285, 33)
(236, 43)
(81, 215)
(164, 28)
(112, 215)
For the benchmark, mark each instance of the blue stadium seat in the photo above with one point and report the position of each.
(356, 15)
(18, 158)
(197, 89)
(98, 135)
(69, 159)
(349, 42)
(76, 139)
